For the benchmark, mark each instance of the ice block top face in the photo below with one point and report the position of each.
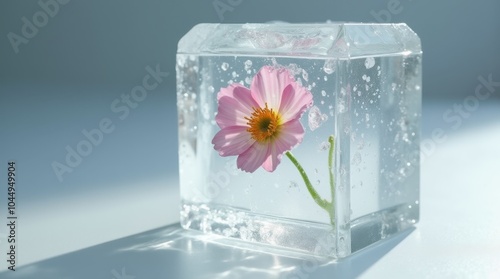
(330, 40)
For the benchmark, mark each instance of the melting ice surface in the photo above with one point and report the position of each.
(366, 83)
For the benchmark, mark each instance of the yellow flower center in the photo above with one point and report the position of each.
(264, 124)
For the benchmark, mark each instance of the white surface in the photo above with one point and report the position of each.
(459, 232)
(458, 235)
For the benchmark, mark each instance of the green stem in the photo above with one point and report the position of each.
(332, 182)
(321, 202)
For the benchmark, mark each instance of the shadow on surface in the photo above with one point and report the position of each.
(171, 252)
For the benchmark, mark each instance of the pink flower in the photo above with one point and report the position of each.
(261, 123)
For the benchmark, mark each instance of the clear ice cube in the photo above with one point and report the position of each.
(366, 85)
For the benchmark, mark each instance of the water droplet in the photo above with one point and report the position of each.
(293, 184)
(323, 93)
(325, 78)
(329, 66)
(364, 77)
(224, 66)
(234, 74)
(248, 65)
(367, 117)
(316, 118)
(248, 80)
(369, 62)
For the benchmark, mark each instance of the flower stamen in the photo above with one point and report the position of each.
(264, 124)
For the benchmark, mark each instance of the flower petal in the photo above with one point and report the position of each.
(291, 134)
(253, 157)
(294, 101)
(235, 103)
(268, 84)
(232, 140)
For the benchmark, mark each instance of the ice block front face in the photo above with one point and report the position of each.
(300, 137)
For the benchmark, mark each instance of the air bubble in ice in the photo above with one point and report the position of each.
(224, 66)
(342, 171)
(329, 66)
(323, 93)
(316, 118)
(294, 69)
(356, 159)
(342, 249)
(324, 146)
(369, 62)
(248, 65)
(205, 111)
(305, 75)
(211, 89)
(341, 107)
(234, 74)
(248, 80)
